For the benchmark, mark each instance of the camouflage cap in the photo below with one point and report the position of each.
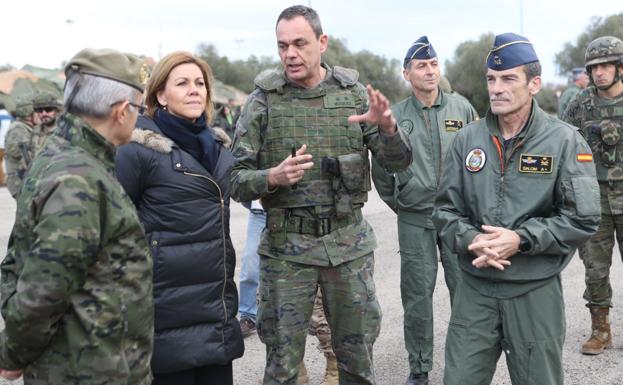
(24, 107)
(509, 51)
(111, 64)
(604, 49)
(421, 49)
(46, 99)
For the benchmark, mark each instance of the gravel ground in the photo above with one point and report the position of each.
(390, 357)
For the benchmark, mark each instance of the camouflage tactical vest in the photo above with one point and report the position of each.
(602, 125)
(319, 118)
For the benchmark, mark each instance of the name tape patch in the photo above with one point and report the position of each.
(536, 164)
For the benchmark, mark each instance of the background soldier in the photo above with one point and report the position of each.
(431, 118)
(47, 107)
(598, 113)
(18, 142)
(579, 82)
(518, 194)
(77, 278)
(300, 152)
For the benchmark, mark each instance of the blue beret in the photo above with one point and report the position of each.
(421, 49)
(509, 51)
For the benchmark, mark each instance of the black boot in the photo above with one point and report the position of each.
(417, 379)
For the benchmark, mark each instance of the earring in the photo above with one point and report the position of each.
(164, 107)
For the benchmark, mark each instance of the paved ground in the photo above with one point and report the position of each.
(390, 357)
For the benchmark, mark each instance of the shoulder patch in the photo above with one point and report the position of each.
(270, 80)
(152, 140)
(346, 76)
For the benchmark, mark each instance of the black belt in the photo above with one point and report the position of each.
(320, 226)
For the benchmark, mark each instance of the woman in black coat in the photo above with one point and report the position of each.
(176, 170)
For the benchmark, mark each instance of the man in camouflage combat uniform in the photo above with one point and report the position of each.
(301, 150)
(432, 118)
(47, 107)
(76, 283)
(19, 153)
(598, 112)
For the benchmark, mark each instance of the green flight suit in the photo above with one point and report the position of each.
(77, 279)
(543, 187)
(601, 122)
(316, 235)
(567, 96)
(411, 193)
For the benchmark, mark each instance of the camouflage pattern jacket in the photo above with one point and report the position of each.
(304, 224)
(544, 188)
(601, 122)
(567, 96)
(39, 134)
(18, 155)
(76, 283)
(431, 130)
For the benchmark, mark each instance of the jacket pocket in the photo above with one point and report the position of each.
(586, 195)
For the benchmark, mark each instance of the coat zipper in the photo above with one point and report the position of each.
(220, 193)
(503, 161)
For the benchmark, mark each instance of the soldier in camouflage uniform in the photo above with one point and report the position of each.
(19, 153)
(301, 149)
(47, 106)
(598, 112)
(76, 283)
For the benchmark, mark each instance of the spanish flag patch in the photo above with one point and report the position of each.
(584, 157)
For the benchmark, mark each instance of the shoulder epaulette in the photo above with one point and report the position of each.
(270, 80)
(346, 76)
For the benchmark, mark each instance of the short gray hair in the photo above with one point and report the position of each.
(94, 96)
(307, 13)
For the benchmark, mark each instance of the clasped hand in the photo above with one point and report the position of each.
(494, 247)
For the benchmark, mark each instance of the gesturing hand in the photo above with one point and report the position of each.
(291, 170)
(379, 112)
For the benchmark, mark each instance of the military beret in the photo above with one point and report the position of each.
(111, 64)
(46, 99)
(420, 49)
(509, 51)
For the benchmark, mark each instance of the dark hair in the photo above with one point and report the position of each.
(532, 70)
(2, 106)
(307, 13)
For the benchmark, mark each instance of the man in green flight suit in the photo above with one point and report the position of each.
(431, 118)
(518, 195)
(18, 144)
(580, 82)
(76, 283)
(598, 113)
(302, 145)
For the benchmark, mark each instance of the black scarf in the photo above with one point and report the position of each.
(193, 137)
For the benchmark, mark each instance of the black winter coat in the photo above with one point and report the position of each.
(185, 212)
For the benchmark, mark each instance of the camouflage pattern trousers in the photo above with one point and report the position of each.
(319, 327)
(418, 274)
(596, 253)
(287, 295)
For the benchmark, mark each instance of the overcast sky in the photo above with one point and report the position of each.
(46, 33)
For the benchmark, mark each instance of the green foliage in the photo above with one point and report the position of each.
(467, 70)
(548, 100)
(376, 70)
(238, 73)
(572, 54)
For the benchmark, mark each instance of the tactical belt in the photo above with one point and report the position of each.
(320, 226)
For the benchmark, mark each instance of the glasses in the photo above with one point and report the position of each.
(140, 107)
(45, 109)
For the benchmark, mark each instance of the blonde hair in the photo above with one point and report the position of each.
(159, 76)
